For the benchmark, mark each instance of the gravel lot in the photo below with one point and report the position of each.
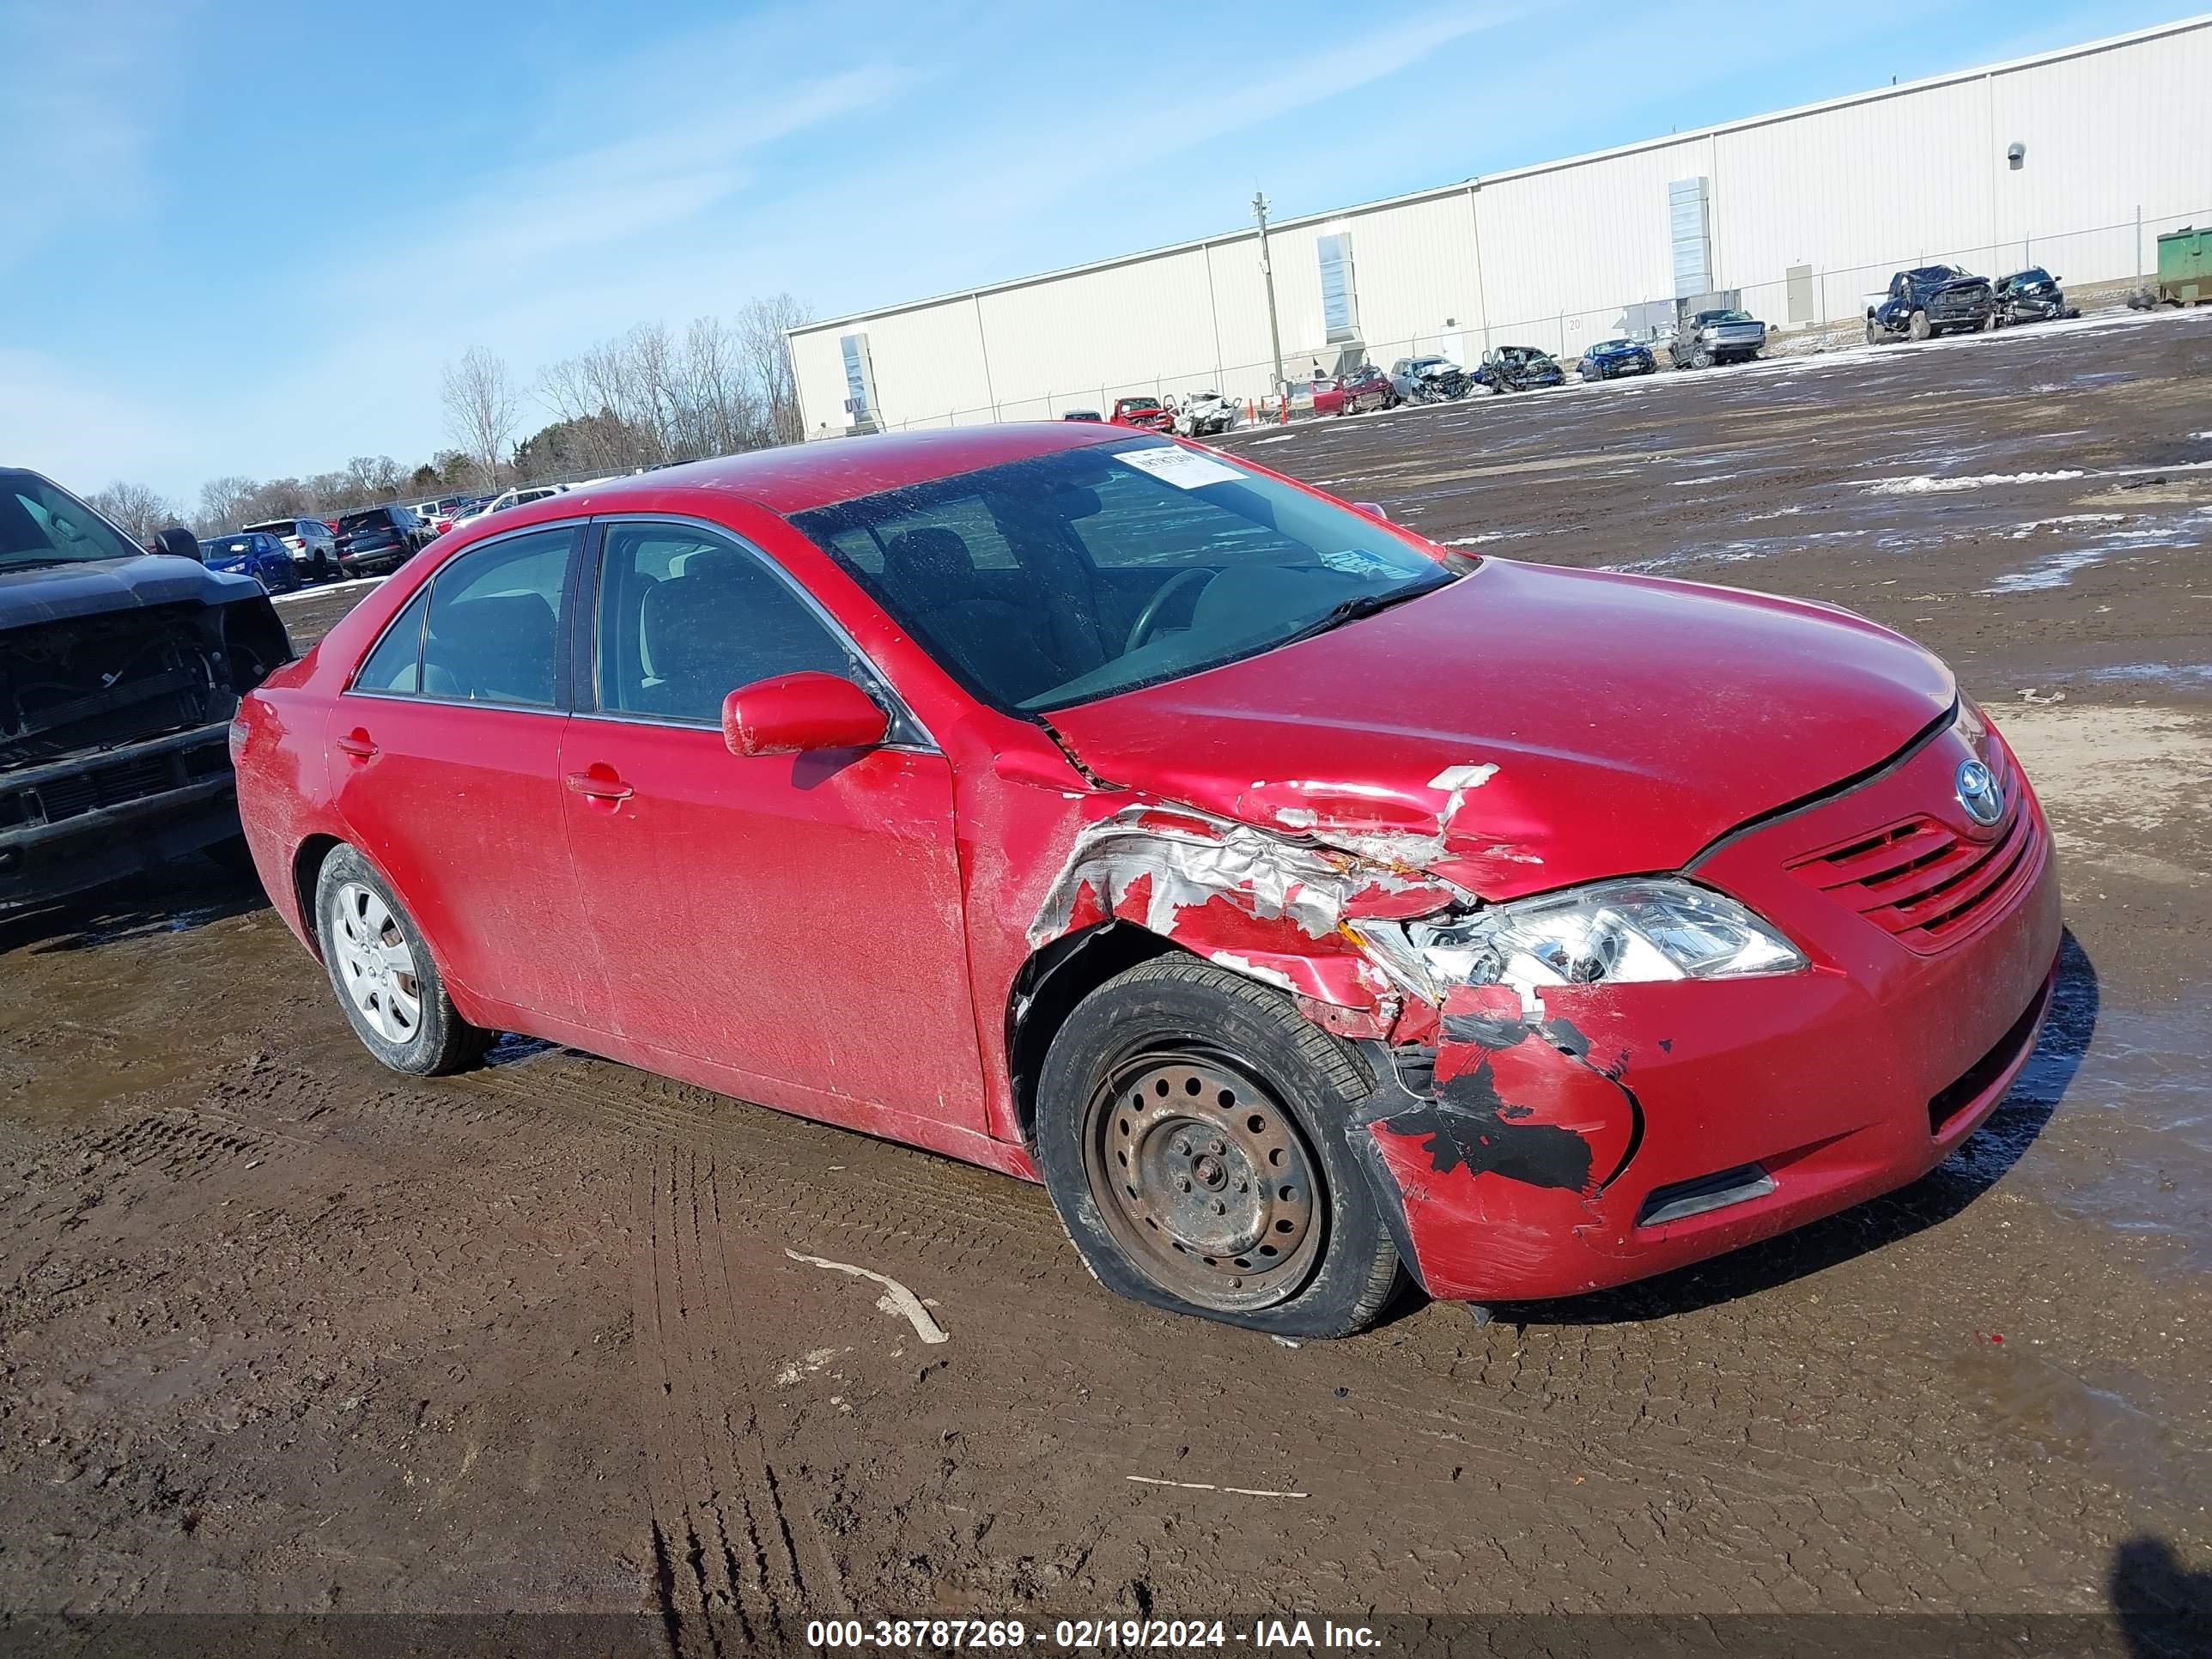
(280, 1331)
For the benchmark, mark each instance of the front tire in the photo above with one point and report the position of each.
(1192, 1131)
(1920, 328)
(387, 984)
(1701, 358)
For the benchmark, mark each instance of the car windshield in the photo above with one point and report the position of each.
(42, 524)
(226, 547)
(1614, 346)
(1068, 577)
(2033, 273)
(1140, 403)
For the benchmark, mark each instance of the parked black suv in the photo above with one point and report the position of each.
(119, 673)
(1930, 301)
(380, 538)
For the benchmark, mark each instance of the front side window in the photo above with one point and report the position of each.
(686, 617)
(492, 632)
(1134, 562)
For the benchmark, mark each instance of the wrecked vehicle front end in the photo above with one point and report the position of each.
(2033, 296)
(1605, 1038)
(118, 680)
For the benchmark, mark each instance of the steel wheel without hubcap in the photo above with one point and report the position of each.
(1203, 1181)
(375, 963)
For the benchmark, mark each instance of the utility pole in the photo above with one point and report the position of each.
(1267, 276)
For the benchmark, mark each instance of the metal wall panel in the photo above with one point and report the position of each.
(1101, 334)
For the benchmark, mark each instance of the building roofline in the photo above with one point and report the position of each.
(1431, 192)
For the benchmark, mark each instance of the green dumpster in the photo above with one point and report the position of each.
(2185, 266)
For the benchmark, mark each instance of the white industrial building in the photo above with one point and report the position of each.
(2074, 159)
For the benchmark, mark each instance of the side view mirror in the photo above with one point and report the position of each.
(179, 541)
(1373, 510)
(794, 714)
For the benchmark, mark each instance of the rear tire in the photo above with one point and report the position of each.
(1192, 1131)
(387, 983)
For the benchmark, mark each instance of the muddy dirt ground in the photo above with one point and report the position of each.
(282, 1331)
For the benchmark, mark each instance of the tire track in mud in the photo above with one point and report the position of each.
(772, 1162)
(732, 1558)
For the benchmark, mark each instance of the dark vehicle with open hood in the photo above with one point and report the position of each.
(2032, 295)
(1519, 369)
(120, 670)
(1928, 301)
(380, 538)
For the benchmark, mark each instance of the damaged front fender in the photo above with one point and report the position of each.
(1273, 907)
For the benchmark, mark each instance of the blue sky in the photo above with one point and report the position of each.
(245, 237)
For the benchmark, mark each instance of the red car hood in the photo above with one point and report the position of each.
(1527, 726)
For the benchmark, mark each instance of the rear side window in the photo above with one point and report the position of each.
(395, 667)
(492, 634)
(687, 616)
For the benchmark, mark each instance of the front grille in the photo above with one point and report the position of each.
(1927, 884)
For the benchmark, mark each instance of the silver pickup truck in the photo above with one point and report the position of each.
(1706, 338)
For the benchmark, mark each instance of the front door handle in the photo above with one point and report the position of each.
(357, 743)
(600, 783)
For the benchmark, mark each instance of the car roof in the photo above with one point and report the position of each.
(796, 478)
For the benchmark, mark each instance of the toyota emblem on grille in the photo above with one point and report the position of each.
(1979, 792)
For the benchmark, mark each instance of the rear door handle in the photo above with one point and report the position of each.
(600, 784)
(357, 743)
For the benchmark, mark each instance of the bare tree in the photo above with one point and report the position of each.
(481, 407)
(224, 503)
(134, 508)
(761, 334)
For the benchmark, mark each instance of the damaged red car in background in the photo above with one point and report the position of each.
(1307, 906)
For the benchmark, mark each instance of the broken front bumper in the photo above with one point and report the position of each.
(69, 824)
(1629, 1129)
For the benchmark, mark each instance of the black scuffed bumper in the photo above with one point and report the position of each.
(76, 823)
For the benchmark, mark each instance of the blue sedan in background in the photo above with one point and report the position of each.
(254, 553)
(1608, 359)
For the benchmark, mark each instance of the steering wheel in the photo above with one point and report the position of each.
(1141, 630)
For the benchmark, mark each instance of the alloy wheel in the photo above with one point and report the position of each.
(376, 965)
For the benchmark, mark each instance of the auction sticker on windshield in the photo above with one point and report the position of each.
(1185, 469)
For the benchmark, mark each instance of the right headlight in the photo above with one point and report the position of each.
(1611, 933)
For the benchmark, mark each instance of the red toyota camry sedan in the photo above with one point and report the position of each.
(1305, 905)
